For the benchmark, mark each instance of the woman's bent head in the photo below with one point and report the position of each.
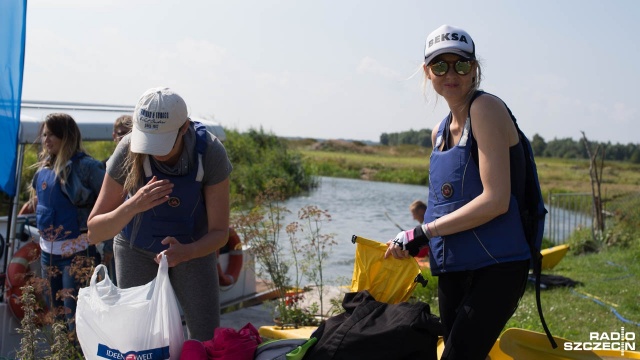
(157, 119)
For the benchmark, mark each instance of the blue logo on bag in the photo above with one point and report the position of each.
(151, 354)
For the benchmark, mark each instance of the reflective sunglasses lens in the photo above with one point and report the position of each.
(440, 68)
(463, 67)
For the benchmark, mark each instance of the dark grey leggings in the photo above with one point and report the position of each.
(195, 283)
(475, 306)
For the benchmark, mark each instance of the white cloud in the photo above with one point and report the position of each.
(369, 65)
(201, 52)
(273, 82)
(623, 114)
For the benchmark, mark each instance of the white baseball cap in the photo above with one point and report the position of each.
(157, 117)
(449, 39)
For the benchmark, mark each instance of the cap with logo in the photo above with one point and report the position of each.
(449, 39)
(157, 117)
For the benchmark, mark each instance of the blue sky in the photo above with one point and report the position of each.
(341, 68)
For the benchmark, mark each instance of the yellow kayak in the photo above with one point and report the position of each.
(513, 344)
(274, 332)
(525, 344)
(552, 256)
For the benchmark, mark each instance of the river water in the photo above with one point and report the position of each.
(357, 207)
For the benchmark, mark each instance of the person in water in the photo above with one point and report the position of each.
(417, 209)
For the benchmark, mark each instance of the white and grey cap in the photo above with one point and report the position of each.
(449, 39)
(157, 118)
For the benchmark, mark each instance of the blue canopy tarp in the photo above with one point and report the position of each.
(13, 15)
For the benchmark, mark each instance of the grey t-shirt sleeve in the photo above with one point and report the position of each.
(217, 165)
(115, 167)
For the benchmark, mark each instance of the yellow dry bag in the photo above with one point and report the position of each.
(389, 280)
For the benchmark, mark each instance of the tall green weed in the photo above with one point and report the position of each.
(257, 157)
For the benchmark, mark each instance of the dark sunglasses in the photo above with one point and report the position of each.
(461, 67)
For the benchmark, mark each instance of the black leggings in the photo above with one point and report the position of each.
(475, 306)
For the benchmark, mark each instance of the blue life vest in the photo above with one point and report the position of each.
(454, 180)
(54, 208)
(184, 215)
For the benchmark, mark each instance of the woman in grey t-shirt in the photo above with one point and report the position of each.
(167, 191)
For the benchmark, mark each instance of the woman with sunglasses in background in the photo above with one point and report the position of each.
(477, 244)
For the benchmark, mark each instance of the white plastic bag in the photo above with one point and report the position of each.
(141, 322)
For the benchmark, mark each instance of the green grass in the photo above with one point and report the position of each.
(610, 276)
(570, 175)
(377, 167)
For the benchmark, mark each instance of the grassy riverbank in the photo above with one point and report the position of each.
(409, 164)
(608, 281)
(608, 276)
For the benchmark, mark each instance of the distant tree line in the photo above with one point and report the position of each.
(566, 148)
(411, 137)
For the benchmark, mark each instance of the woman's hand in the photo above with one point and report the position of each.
(154, 193)
(176, 253)
(396, 247)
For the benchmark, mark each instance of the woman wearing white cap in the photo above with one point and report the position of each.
(476, 181)
(167, 190)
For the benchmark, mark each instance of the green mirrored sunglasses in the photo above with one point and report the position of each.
(461, 67)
